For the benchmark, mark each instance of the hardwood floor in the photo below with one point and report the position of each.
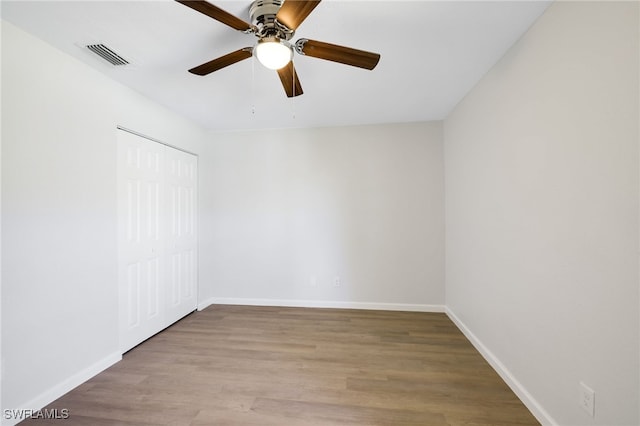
(245, 365)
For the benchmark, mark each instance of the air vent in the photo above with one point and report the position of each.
(107, 54)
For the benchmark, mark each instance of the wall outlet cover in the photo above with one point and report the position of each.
(587, 399)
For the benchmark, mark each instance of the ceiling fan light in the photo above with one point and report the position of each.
(273, 52)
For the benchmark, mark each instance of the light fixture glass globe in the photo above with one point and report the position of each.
(273, 52)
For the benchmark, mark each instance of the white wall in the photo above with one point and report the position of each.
(541, 162)
(59, 289)
(363, 203)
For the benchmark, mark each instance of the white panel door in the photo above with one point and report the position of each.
(157, 242)
(181, 243)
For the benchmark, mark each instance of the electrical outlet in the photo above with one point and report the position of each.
(587, 399)
(336, 281)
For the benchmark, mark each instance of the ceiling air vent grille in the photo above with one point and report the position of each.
(107, 54)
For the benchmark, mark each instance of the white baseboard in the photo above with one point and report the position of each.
(321, 304)
(65, 386)
(536, 409)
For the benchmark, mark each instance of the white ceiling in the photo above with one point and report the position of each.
(433, 53)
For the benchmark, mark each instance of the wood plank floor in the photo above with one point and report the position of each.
(242, 365)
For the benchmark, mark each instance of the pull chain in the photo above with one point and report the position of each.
(253, 86)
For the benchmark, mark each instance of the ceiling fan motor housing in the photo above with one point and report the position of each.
(263, 17)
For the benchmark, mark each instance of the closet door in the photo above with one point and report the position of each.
(181, 242)
(140, 265)
(157, 245)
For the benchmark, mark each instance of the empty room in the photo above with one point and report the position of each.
(337, 212)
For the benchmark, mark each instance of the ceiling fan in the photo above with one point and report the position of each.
(274, 23)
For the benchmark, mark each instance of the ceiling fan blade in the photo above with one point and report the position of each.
(335, 53)
(293, 12)
(289, 79)
(216, 13)
(223, 61)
